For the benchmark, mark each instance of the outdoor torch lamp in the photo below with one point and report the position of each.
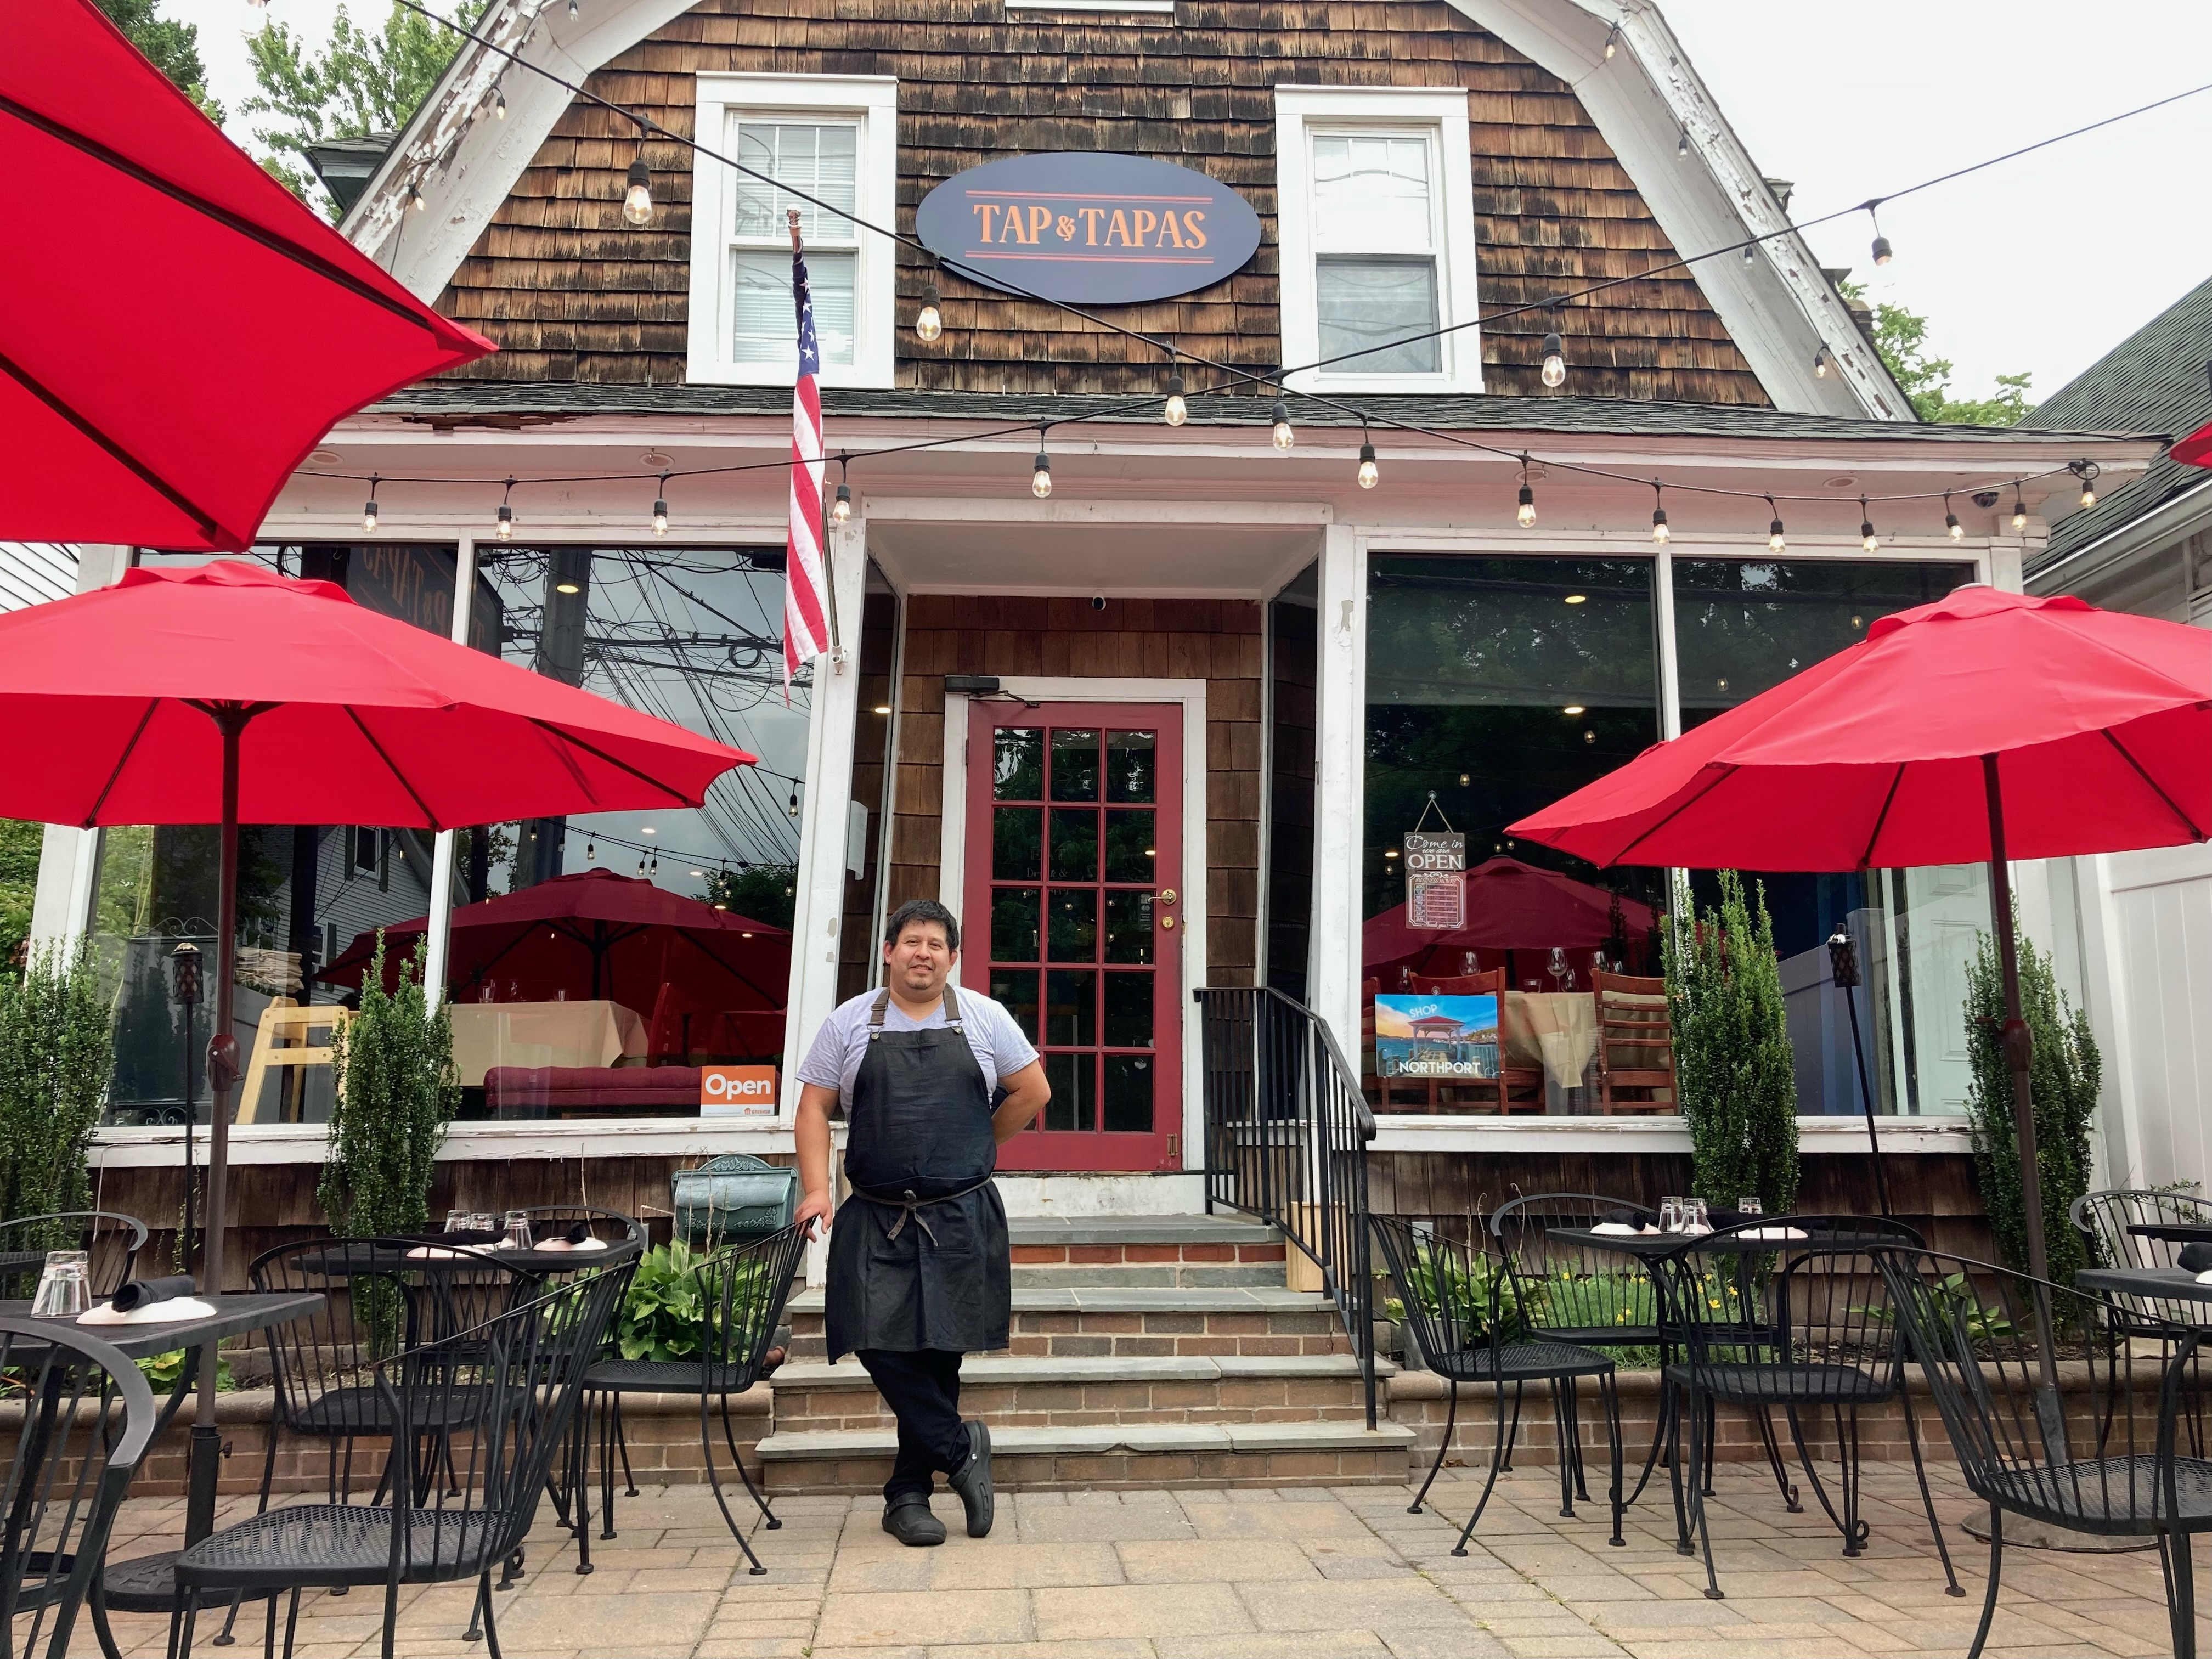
(184, 972)
(1843, 957)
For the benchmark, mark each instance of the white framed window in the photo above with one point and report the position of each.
(1374, 227)
(836, 138)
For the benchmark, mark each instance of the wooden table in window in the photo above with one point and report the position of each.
(1557, 1030)
(540, 1033)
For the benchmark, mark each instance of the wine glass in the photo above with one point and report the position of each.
(1670, 1215)
(1562, 974)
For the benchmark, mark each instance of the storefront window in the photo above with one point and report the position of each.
(1741, 626)
(305, 890)
(1293, 641)
(859, 962)
(1495, 686)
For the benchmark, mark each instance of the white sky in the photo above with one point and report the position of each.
(2043, 264)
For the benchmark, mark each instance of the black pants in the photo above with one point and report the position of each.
(922, 1388)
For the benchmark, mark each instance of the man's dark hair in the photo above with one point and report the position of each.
(915, 910)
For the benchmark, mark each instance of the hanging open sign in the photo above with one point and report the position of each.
(1436, 880)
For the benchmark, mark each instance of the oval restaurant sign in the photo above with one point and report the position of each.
(1089, 228)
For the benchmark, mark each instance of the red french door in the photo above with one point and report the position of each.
(1075, 914)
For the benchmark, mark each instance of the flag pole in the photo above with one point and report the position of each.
(829, 575)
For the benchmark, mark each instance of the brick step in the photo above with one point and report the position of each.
(1113, 1455)
(1047, 1392)
(1101, 1321)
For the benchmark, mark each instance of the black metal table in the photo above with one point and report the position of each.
(1650, 1247)
(2174, 1232)
(2174, 1284)
(146, 1584)
(359, 1262)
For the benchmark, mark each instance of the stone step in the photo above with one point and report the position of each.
(1109, 1229)
(1042, 1392)
(1113, 1455)
(1162, 1252)
(1099, 1321)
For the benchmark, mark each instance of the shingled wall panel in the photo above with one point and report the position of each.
(573, 294)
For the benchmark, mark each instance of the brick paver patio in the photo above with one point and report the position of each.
(1309, 1574)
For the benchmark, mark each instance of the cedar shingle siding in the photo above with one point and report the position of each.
(572, 294)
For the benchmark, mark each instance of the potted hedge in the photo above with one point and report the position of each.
(397, 1089)
(1734, 1075)
(56, 1052)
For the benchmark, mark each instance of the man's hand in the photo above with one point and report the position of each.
(813, 1207)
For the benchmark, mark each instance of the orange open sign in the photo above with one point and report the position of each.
(736, 1092)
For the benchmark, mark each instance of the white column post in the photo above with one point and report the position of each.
(1670, 681)
(1339, 747)
(818, 892)
(69, 858)
(438, 935)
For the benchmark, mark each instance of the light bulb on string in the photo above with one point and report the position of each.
(1611, 42)
(2018, 509)
(1660, 533)
(1820, 363)
(2087, 472)
(503, 525)
(1177, 412)
(637, 200)
(1775, 540)
(841, 503)
(929, 321)
(368, 512)
(652, 866)
(1041, 473)
(1956, 531)
(1369, 474)
(1525, 512)
(1284, 436)
(415, 202)
(660, 508)
(498, 103)
(641, 867)
(1882, 251)
(1682, 146)
(575, 10)
(592, 848)
(1555, 361)
(1867, 540)
(793, 808)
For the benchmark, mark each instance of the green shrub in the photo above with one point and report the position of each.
(56, 1052)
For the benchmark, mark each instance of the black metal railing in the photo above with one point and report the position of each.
(1286, 1134)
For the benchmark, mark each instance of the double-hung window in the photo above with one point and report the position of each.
(1375, 222)
(825, 146)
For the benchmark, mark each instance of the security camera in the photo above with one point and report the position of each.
(1097, 601)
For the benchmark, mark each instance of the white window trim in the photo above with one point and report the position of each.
(1298, 111)
(872, 101)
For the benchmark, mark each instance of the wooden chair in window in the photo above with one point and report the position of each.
(1635, 1045)
(1510, 1090)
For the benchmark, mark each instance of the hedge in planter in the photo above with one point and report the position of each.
(397, 1091)
(1734, 1075)
(56, 1052)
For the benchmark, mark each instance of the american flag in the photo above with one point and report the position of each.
(806, 589)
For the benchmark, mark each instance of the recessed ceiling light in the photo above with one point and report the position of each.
(325, 456)
(883, 708)
(1844, 481)
(567, 587)
(1572, 709)
(654, 458)
(648, 830)
(1390, 852)
(1576, 599)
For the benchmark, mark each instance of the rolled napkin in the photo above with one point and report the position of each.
(1774, 1232)
(150, 1313)
(1719, 1218)
(2195, 1258)
(586, 1244)
(144, 1292)
(1617, 1227)
(1635, 1220)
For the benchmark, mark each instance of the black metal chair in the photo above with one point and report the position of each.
(111, 1240)
(1804, 1326)
(2086, 1442)
(475, 1420)
(2103, 1220)
(742, 1291)
(1573, 1294)
(1464, 1314)
(87, 1415)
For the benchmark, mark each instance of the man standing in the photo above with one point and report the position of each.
(920, 1268)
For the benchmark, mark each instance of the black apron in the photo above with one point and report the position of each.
(919, 1256)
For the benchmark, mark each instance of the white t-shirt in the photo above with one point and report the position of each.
(833, 1060)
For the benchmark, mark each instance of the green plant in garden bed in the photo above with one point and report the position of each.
(666, 1314)
(165, 1371)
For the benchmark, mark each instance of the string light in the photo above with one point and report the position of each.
(1820, 362)
(1867, 538)
(1611, 42)
(368, 512)
(1682, 146)
(415, 201)
(2087, 472)
(929, 321)
(575, 10)
(1775, 541)
(1555, 361)
(1177, 411)
(1527, 513)
(1951, 524)
(637, 200)
(794, 800)
(2018, 509)
(1882, 254)
(503, 527)
(1283, 435)
(498, 103)
(592, 849)
(1040, 478)
(1369, 474)
(1659, 530)
(660, 508)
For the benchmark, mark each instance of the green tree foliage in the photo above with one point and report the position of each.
(1737, 1076)
(172, 47)
(765, 892)
(1901, 338)
(2065, 1075)
(364, 81)
(19, 883)
(396, 1090)
(54, 1061)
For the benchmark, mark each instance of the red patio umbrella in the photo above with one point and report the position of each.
(1984, 726)
(2196, 449)
(177, 332)
(1511, 906)
(222, 693)
(600, 933)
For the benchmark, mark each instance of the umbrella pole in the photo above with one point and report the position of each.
(222, 1070)
(1866, 1101)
